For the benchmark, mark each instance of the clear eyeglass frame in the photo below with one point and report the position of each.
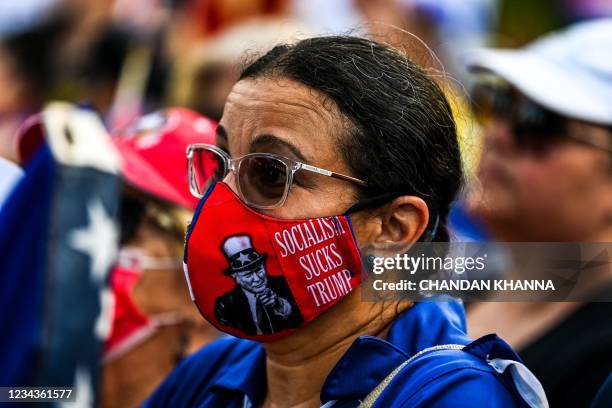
(233, 165)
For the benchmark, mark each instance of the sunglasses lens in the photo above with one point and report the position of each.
(489, 101)
(537, 128)
(206, 166)
(263, 180)
(533, 127)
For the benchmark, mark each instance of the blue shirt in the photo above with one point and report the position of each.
(231, 372)
(464, 226)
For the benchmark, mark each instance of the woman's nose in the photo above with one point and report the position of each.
(230, 180)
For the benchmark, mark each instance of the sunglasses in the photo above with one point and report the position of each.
(533, 126)
(263, 179)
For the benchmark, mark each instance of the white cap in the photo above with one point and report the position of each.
(569, 72)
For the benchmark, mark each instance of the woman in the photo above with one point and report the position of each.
(328, 126)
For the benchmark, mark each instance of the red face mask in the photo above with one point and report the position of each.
(259, 277)
(131, 326)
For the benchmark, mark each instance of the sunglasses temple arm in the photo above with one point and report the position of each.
(332, 174)
(348, 178)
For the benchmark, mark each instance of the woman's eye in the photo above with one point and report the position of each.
(274, 174)
(265, 171)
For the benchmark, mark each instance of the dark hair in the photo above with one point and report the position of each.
(33, 52)
(402, 136)
(106, 56)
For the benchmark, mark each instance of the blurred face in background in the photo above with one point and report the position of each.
(212, 85)
(542, 177)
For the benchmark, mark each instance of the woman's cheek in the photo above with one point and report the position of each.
(310, 203)
(365, 228)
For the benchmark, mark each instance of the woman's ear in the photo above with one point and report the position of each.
(403, 221)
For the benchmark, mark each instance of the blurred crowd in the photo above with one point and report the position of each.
(157, 73)
(126, 58)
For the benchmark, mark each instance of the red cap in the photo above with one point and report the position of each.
(154, 149)
(30, 137)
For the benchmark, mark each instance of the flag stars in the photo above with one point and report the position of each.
(98, 240)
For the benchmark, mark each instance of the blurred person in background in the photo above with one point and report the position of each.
(27, 74)
(103, 63)
(546, 175)
(196, 20)
(87, 19)
(123, 71)
(155, 324)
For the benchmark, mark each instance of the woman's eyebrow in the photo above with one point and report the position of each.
(268, 140)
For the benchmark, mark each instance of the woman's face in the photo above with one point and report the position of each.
(283, 117)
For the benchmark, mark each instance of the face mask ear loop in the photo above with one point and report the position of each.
(372, 202)
(383, 199)
(434, 230)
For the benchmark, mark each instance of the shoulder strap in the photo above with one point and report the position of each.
(371, 398)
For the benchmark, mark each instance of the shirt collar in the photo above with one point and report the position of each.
(246, 374)
(370, 359)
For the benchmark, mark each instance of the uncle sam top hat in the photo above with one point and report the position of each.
(240, 254)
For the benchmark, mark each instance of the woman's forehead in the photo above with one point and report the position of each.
(287, 94)
(284, 108)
